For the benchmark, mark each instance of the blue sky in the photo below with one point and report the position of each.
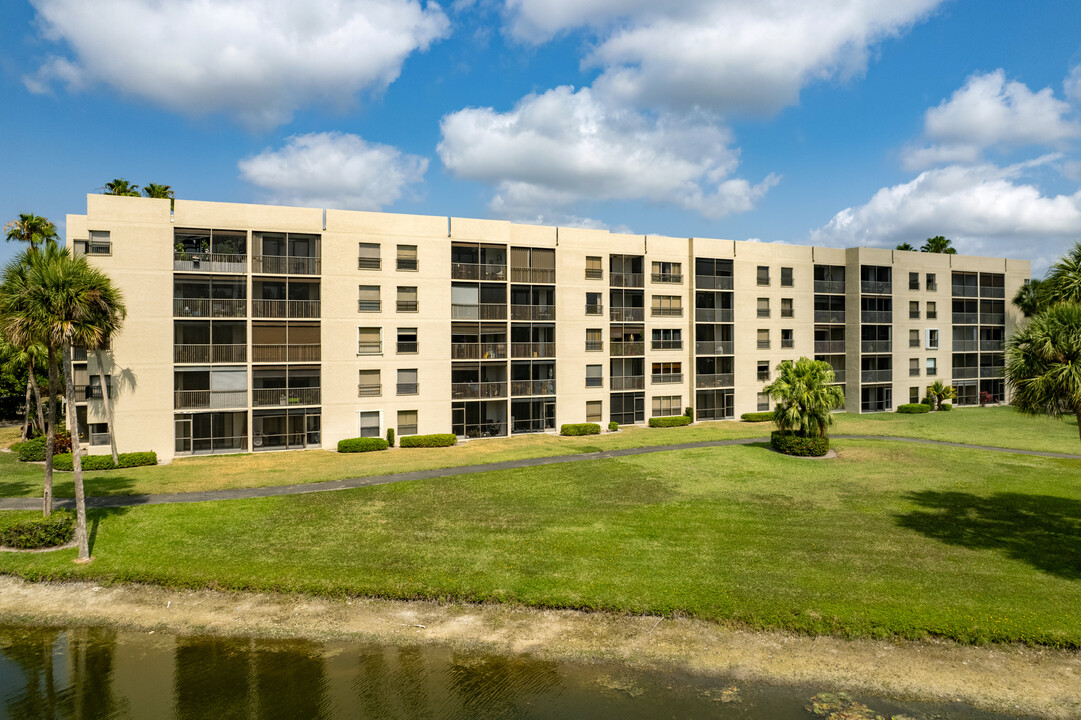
(838, 122)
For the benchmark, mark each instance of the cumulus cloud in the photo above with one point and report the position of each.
(1072, 84)
(564, 146)
(255, 60)
(335, 170)
(991, 112)
(723, 55)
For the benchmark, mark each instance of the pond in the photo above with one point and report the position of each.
(90, 672)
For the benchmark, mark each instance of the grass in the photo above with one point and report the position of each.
(984, 426)
(890, 539)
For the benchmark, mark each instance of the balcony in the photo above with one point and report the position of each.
(711, 347)
(666, 312)
(369, 348)
(91, 392)
(478, 390)
(281, 309)
(478, 271)
(284, 265)
(619, 348)
(532, 312)
(369, 305)
(666, 345)
(627, 280)
(409, 306)
(369, 390)
(966, 372)
(713, 282)
(830, 287)
(963, 318)
(666, 378)
(309, 352)
(965, 345)
(408, 388)
(483, 311)
(210, 262)
(876, 376)
(627, 382)
(829, 316)
(545, 276)
(838, 376)
(532, 350)
(713, 315)
(959, 290)
(522, 388)
(478, 351)
(209, 308)
(992, 318)
(408, 348)
(213, 399)
(78, 354)
(667, 278)
(206, 354)
(594, 345)
(883, 317)
(627, 314)
(992, 371)
(876, 288)
(876, 346)
(278, 397)
(988, 344)
(718, 380)
(829, 346)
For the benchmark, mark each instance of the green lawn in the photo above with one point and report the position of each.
(889, 539)
(1002, 427)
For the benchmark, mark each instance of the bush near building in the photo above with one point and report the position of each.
(364, 444)
(428, 441)
(913, 409)
(572, 429)
(669, 421)
(757, 417)
(105, 462)
(34, 450)
(791, 444)
(57, 529)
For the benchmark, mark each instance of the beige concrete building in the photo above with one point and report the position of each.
(255, 328)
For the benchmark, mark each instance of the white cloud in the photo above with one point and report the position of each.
(334, 170)
(256, 60)
(1072, 84)
(991, 112)
(723, 55)
(564, 146)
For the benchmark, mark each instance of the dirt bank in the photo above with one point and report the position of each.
(1005, 679)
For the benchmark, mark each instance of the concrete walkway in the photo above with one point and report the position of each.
(117, 501)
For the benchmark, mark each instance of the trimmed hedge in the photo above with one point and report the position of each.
(946, 406)
(57, 529)
(928, 401)
(669, 421)
(364, 444)
(913, 409)
(390, 437)
(613, 426)
(34, 450)
(105, 462)
(689, 412)
(756, 417)
(792, 444)
(580, 429)
(428, 441)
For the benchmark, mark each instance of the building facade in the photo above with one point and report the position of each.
(255, 328)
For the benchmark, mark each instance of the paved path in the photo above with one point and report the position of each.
(258, 492)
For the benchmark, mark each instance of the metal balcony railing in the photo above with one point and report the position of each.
(408, 348)
(714, 347)
(210, 353)
(965, 345)
(717, 380)
(285, 308)
(667, 278)
(627, 280)
(989, 291)
(959, 290)
(408, 306)
(666, 345)
(369, 305)
(594, 345)
(594, 382)
(594, 274)
(992, 371)
(627, 382)
(763, 344)
(788, 312)
(763, 312)
(278, 353)
(532, 350)
(713, 315)
(369, 390)
(884, 317)
(713, 282)
(627, 314)
(478, 351)
(532, 312)
(830, 287)
(369, 348)
(482, 311)
(987, 344)
(829, 316)
(876, 346)
(619, 348)
(992, 318)
(966, 372)
(478, 390)
(830, 346)
(478, 271)
(99, 438)
(914, 372)
(666, 378)
(408, 264)
(876, 376)
(209, 262)
(408, 388)
(666, 312)
(285, 265)
(213, 399)
(264, 397)
(594, 309)
(209, 308)
(964, 318)
(369, 263)
(545, 276)
(519, 388)
(876, 288)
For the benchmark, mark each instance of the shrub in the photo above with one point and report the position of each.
(756, 417)
(105, 462)
(428, 441)
(613, 426)
(913, 409)
(390, 437)
(946, 406)
(669, 421)
(57, 529)
(928, 401)
(580, 429)
(792, 444)
(689, 412)
(34, 450)
(364, 444)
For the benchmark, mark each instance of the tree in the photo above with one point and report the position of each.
(1030, 297)
(32, 229)
(1043, 363)
(1063, 283)
(941, 392)
(805, 397)
(162, 192)
(28, 359)
(110, 322)
(120, 186)
(906, 246)
(939, 244)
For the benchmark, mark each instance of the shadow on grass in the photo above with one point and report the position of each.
(1041, 530)
(94, 518)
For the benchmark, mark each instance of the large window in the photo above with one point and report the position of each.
(369, 424)
(763, 275)
(667, 405)
(407, 422)
(369, 299)
(763, 370)
(407, 257)
(407, 299)
(667, 339)
(667, 373)
(763, 307)
(786, 277)
(594, 411)
(369, 341)
(667, 306)
(594, 376)
(594, 268)
(369, 385)
(594, 304)
(368, 256)
(594, 339)
(763, 339)
(787, 339)
(407, 381)
(407, 341)
(667, 272)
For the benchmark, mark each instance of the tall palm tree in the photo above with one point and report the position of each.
(32, 229)
(120, 186)
(941, 392)
(1063, 283)
(1043, 363)
(939, 244)
(1030, 297)
(906, 246)
(162, 192)
(805, 397)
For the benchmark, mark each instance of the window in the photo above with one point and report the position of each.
(667, 306)
(407, 341)
(932, 339)
(667, 405)
(787, 308)
(94, 390)
(932, 311)
(786, 277)
(407, 382)
(368, 257)
(369, 299)
(369, 384)
(763, 339)
(914, 395)
(369, 341)
(914, 367)
(99, 433)
(763, 307)
(913, 338)
(667, 339)
(594, 305)
(407, 257)
(763, 402)
(787, 340)
(667, 373)
(594, 340)
(763, 275)
(99, 244)
(369, 424)
(407, 299)
(914, 309)
(913, 281)
(763, 370)
(594, 376)
(594, 268)
(931, 284)
(932, 367)
(407, 422)
(667, 272)
(594, 411)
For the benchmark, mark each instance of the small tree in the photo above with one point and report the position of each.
(805, 397)
(120, 186)
(1043, 363)
(939, 244)
(940, 392)
(906, 246)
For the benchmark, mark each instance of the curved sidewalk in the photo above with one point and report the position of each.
(116, 501)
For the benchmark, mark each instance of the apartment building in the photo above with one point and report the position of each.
(255, 328)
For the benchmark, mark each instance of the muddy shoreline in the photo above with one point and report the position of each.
(1010, 679)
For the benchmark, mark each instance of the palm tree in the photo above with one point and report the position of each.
(941, 393)
(120, 186)
(110, 322)
(32, 229)
(28, 357)
(1030, 297)
(162, 192)
(805, 397)
(1043, 363)
(1063, 282)
(939, 244)
(906, 246)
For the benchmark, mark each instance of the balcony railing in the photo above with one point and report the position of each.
(408, 305)
(876, 376)
(594, 381)
(914, 342)
(992, 371)
(369, 263)
(763, 345)
(627, 280)
(483, 311)
(762, 313)
(285, 265)
(214, 399)
(914, 372)
(263, 397)
(667, 278)
(666, 312)
(78, 354)
(478, 390)
(713, 315)
(913, 314)
(788, 312)
(532, 312)
(829, 346)
(830, 287)
(408, 264)
(306, 352)
(594, 309)
(966, 372)
(408, 348)
(986, 344)
(408, 388)
(884, 317)
(594, 274)
(478, 271)
(532, 350)
(210, 262)
(519, 388)
(369, 390)
(965, 345)
(963, 318)
(666, 345)
(666, 378)
(285, 308)
(992, 318)
(619, 348)
(478, 351)
(91, 392)
(627, 314)
(713, 282)
(876, 346)
(876, 288)
(369, 305)
(965, 290)
(627, 382)
(829, 316)
(209, 308)
(533, 275)
(717, 380)
(711, 347)
(369, 348)
(594, 345)
(210, 353)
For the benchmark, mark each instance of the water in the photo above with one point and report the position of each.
(101, 673)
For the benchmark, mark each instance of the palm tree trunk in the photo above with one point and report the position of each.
(50, 434)
(76, 460)
(26, 413)
(107, 399)
(37, 400)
